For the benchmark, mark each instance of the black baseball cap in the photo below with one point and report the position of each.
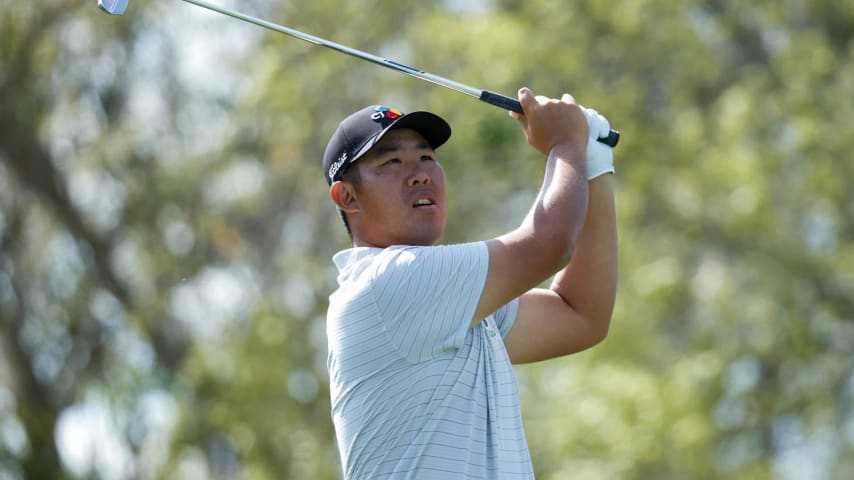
(362, 130)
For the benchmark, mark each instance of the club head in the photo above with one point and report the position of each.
(113, 7)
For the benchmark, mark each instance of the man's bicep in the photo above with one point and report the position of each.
(516, 265)
(546, 327)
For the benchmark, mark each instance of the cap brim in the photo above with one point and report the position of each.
(432, 127)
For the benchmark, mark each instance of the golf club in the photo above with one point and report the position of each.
(118, 7)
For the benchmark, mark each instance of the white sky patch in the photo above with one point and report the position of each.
(203, 50)
(161, 414)
(208, 47)
(131, 261)
(179, 237)
(88, 441)
(710, 279)
(820, 228)
(98, 196)
(147, 106)
(802, 454)
(135, 350)
(302, 385)
(298, 295)
(107, 309)
(468, 6)
(13, 436)
(177, 233)
(192, 465)
(241, 179)
(297, 231)
(66, 265)
(742, 375)
(207, 41)
(213, 301)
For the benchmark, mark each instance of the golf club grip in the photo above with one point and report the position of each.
(508, 103)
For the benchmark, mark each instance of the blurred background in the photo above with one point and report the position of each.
(166, 234)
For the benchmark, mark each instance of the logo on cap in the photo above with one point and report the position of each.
(333, 169)
(383, 112)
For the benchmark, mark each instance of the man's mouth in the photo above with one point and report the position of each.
(423, 202)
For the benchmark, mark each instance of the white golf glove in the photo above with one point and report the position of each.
(600, 157)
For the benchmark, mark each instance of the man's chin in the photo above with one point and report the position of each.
(425, 238)
(419, 234)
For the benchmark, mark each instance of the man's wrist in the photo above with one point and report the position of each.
(571, 153)
(595, 171)
(600, 159)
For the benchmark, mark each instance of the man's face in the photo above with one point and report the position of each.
(402, 199)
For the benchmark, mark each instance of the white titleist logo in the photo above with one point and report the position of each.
(336, 165)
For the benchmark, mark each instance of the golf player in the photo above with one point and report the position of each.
(422, 336)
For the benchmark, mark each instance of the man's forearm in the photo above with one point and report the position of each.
(589, 282)
(562, 203)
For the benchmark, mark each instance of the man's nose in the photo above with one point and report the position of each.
(419, 175)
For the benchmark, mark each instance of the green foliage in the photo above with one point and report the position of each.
(166, 233)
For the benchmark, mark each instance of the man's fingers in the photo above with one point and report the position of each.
(526, 97)
(604, 126)
(599, 125)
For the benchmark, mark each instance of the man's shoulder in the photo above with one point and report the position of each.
(401, 263)
(404, 254)
(423, 259)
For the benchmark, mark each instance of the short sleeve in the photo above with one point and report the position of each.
(505, 317)
(427, 296)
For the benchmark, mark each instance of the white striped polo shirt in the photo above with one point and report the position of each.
(416, 393)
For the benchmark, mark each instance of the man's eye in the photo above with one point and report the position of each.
(392, 161)
(427, 157)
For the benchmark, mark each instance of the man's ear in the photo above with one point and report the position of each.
(344, 196)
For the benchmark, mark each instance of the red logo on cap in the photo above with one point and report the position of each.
(385, 112)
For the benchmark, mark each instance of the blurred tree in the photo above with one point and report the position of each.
(165, 232)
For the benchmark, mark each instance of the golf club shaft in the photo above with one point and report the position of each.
(491, 98)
